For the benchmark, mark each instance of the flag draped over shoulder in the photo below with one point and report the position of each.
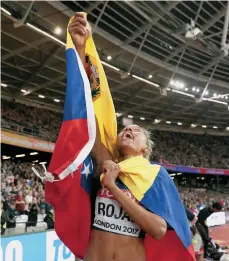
(153, 187)
(71, 164)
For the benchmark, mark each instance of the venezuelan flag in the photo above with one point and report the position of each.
(85, 104)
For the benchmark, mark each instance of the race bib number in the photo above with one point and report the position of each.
(110, 216)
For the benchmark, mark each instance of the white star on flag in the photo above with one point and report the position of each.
(86, 170)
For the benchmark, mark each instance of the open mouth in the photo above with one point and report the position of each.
(127, 135)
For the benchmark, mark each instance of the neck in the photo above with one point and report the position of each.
(125, 157)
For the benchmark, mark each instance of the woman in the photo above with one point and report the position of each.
(120, 221)
(115, 206)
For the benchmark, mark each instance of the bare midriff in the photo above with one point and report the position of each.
(106, 246)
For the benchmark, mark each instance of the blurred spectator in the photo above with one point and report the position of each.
(3, 219)
(33, 213)
(20, 203)
(11, 214)
(49, 219)
(28, 200)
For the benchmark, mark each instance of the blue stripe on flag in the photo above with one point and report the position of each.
(75, 104)
(164, 190)
(87, 174)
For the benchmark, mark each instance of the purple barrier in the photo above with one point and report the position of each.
(194, 170)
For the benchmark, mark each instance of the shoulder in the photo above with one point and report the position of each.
(162, 172)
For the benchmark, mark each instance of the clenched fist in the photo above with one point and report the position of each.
(79, 30)
(111, 171)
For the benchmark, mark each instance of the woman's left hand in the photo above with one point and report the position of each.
(111, 171)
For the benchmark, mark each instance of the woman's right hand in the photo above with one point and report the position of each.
(79, 30)
(111, 171)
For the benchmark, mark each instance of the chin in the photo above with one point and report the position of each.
(126, 150)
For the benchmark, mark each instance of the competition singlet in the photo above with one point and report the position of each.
(110, 216)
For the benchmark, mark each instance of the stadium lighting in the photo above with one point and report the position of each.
(215, 127)
(142, 118)
(44, 162)
(157, 121)
(186, 89)
(216, 101)
(46, 34)
(180, 85)
(168, 122)
(130, 116)
(227, 128)
(204, 126)
(193, 88)
(146, 81)
(5, 11)
(109, 57)
(197, 90)
(111, 66)
(3, 85)
(179, 173)
(183, 93)
(58, 30)
(172, 175)
(41, 96)
(150, 76)
(206, 92)
(179, 123)
(22, 90)
(214, 94)
(118, 114)
(172, 82)
(33, 153)
(177, 84)
(34, 161)
(56, 100)
(20, 156)
(6, 157)
(193, 125)
(226, 97)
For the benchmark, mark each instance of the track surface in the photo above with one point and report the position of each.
(220, 235)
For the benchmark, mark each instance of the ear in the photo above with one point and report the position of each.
(145, 151)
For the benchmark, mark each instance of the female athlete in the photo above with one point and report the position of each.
(120, 222)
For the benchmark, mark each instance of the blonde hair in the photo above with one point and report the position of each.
(149, 143)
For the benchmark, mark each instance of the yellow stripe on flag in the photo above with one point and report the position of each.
(103, 103)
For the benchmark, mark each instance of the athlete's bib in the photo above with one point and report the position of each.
(110, 216)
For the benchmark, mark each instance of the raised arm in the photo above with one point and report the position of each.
(80, 30)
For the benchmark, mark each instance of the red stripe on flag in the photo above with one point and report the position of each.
(72, 138)
(72, 212)
(169, 248)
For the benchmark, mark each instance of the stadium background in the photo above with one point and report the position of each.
(160, 77)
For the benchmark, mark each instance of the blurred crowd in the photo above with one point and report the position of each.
(31, 120)
(191, 150)
(171, 147)
(22, 193)
(197, 199)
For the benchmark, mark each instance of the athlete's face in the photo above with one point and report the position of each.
(132, 141)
